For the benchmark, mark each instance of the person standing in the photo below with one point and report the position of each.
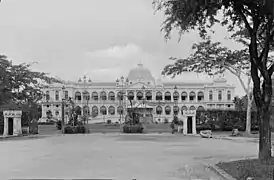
(172, 125)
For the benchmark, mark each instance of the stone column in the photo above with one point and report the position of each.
(15, 124)
(194, 125)
(5, 126)
(44, 111)
(19, 127)
(185, 124)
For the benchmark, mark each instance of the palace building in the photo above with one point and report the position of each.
(102, 101)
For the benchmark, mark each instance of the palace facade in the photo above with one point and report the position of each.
(102, 101)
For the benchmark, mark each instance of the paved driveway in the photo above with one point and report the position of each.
(146, 157)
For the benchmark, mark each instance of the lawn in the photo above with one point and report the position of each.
(249, 168)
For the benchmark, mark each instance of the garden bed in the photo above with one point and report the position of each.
(249, 168)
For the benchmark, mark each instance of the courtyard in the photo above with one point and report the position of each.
(118, 156)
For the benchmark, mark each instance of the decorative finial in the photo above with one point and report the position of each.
(140, 65)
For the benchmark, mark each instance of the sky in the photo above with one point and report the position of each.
(100, 39)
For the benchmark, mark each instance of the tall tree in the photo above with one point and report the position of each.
(20, 84)
(211, 58)
(254, 16)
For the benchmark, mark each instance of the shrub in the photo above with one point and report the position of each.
(137, 128)
(25, 130)
(69, 130)
(80, 129)
(202, 127)
(59, 125)
(220, 120)
(75, 129)
(109, 121)
(46, 123)
(166, 121)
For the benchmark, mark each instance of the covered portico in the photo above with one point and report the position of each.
(189, 119)
(142, 109)
(12, 119)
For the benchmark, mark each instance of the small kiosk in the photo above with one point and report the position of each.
(189, 119)
(12, 119)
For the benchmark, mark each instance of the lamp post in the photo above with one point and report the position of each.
(175, 101)
(87, 100)
(122, 97)
(144, 100)
(63, 110)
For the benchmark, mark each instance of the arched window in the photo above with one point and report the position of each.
(192, 96)
(103, 110)
(66, 94)
(200, 96)
(167, 96)
(176, 110)
(159, 110)
(47, 96)
(140, 95)
(200, 108)
(175, 96)
(130, 95)
(94, 96)
(85, 95)
(120, 110)
(94, 111)
(148, 95)
(167, 110)
(57, 95)
(184, 96)
(184, 108)
(78, 96)
(210, 95)
(192, 108)
(78, 110)
(86, 110)
(228, 95)
(111, 110)
(111, 96)
(120, 95)
(103, 96)
(159, 96)
(219, 95)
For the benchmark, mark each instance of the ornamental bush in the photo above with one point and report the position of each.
(109, 121)
(80, 129)
(136, 128)
(220, 120)
(59, 125)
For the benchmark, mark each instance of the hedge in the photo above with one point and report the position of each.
(218, 120)
(75, 129)
(136, 128)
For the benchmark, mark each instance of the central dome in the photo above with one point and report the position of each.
(140, 74)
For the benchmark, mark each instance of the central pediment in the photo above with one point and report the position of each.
(140, 85)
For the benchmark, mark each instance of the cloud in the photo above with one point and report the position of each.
(117, 51)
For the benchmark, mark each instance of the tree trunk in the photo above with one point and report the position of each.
(248, 114)
(249, 107)
(265, 133)
(263, 116)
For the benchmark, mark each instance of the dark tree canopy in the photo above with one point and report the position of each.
(210, 58)
(251, 19)
(20, 84)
